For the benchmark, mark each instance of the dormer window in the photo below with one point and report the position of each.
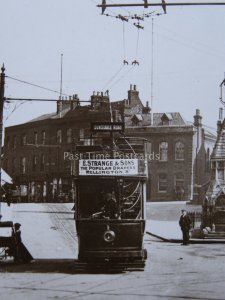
(136, 119)
(166, 119)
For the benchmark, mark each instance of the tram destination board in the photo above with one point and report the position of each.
(108, 126)
(110, 167)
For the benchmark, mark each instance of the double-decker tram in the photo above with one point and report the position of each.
(111, 173)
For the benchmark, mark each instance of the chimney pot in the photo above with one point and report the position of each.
(197, 112)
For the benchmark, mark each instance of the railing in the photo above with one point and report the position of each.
(196, 219)
(203, 219)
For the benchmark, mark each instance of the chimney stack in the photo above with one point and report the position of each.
(198, 119)
(220, 113)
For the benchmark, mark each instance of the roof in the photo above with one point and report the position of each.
(50, 116)
(219, 148)
(80, 113)
(174, 118)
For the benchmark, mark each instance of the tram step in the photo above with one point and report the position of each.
(108, 266)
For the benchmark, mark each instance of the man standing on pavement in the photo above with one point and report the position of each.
(185, 225)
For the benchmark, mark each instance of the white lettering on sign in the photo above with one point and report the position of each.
(108, 167)
(108, 127)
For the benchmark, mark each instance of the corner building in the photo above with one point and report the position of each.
(39, 154)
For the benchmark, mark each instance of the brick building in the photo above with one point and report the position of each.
(178, 151)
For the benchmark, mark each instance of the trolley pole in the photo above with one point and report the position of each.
(2, 90)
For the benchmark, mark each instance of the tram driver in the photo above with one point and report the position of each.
(110, 208)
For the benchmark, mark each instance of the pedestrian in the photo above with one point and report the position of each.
(185, 225)
(21, 254)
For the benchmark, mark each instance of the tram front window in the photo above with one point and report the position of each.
(105, 199)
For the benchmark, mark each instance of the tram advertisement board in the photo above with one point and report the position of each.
(109, 167)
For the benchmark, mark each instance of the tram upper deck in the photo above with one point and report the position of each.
(109, 162)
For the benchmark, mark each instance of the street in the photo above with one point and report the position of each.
(172, 271)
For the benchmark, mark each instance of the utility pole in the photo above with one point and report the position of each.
(2, 90)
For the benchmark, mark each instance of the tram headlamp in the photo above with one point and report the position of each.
(109, 236)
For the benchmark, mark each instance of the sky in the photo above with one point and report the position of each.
(181, 55)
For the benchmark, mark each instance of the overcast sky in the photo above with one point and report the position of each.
(188, 56)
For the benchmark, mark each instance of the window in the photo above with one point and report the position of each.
(162, 183)
(7, 143)
(81, 134)
(163, 151)
(35, 138)
(179, 186)
(59, 136)
(6, 164)
(14, 142)
(43, 137)
(179, 151)
(34, 163)
(179, 181)
(23, 139)
(148, 147)
(221, 170)
(13, 164)
(221, 174)
(67, 164)
(69, 135)
(23, 165)
(42, 165)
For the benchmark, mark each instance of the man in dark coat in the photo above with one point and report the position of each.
(185, 225)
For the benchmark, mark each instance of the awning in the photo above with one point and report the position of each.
(5, 178)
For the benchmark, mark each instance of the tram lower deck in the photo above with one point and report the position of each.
(111, 240)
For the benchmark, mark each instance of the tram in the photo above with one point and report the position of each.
(111, 174)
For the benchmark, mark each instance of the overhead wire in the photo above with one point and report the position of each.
(197, 46)
(120, 78)
(124, 45)
(137, 45)
(16, 106)
(113, 77)
(36, 85)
